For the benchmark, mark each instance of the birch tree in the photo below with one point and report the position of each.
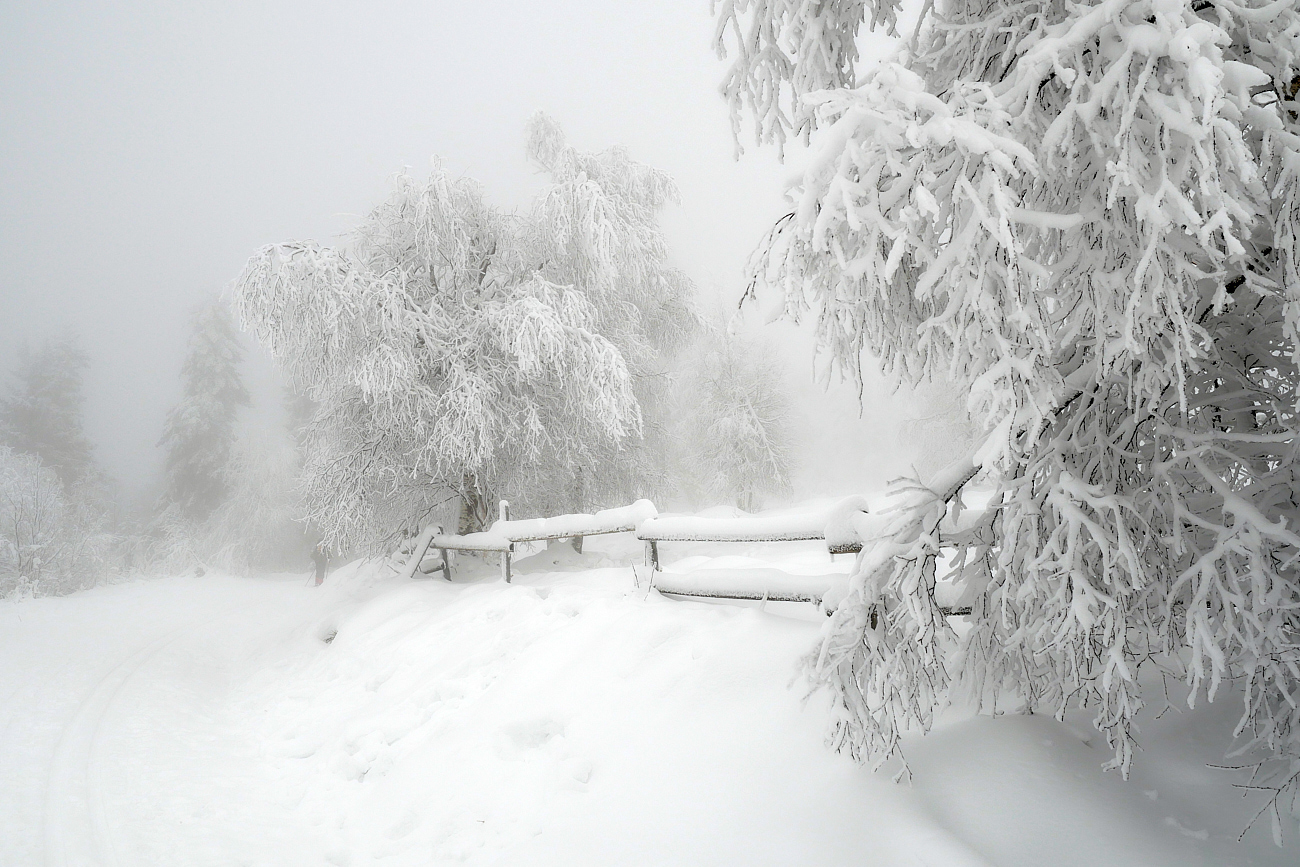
(737, 421)
(1086, 213)
(455, 353)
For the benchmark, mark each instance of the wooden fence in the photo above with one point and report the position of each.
(503, 535)
(775, 585)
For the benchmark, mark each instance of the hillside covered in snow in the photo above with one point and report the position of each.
(568, 718)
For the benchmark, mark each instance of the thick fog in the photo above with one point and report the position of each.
(148, 149)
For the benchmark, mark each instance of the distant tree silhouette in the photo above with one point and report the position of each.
(43, 412)
(200, 430)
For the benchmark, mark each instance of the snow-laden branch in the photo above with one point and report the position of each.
(1085, 215)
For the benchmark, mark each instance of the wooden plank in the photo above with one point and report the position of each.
(501, 540)
(489, 544)
(547, 537)
(421, 546)
(468, 543)
(751, 583)
(801, 528)
(756, 596)
(650, 534)
(671, 584)
(503, 515)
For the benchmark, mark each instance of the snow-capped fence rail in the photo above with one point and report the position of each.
(691, 528)
(840, 527)
(843, 528)
(773, 585)
(504, 534)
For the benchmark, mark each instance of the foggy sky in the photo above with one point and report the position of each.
(147, 149)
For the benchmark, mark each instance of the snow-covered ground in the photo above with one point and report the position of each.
(565, 719)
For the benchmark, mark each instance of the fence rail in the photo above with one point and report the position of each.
(836, 527)
(503, 535)
(773, 585)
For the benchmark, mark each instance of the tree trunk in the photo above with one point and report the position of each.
(475, 508)
(579, 503)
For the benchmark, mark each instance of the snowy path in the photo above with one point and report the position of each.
(564, 720)
(77, 827)
(114, 695)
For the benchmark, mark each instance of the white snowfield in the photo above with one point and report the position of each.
(570, 718)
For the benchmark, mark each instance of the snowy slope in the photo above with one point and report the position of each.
(565, 719)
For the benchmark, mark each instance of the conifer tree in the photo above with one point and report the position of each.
(200, 430)
(256, 526)
(1086, 213)
(43, 413)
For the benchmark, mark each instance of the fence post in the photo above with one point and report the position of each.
(417, 554)
(503, 514)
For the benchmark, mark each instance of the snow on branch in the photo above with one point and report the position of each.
(1085, 215)
(785, 49)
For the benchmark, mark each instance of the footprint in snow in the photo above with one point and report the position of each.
(534, 733)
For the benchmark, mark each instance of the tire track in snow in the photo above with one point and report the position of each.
(76, 828)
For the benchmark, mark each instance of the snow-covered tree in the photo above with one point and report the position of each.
(1086, 213)
(938, 429)
(49, 543)
(43, 413)
(737, 421)
(456, 354)
(595, 228)
(31, 512)
(255, 526)
(200, 430)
